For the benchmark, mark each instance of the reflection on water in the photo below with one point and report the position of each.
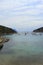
(22, 50)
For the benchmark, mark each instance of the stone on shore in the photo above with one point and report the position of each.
(3, 40)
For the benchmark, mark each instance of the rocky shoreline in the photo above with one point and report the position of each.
(2, 41)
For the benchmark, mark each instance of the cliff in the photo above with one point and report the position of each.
(38, 30)
(6, 30)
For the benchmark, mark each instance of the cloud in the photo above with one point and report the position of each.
(17, 7)
(6, 4)
(21, 13)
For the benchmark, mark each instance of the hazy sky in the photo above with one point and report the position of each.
(21, 14)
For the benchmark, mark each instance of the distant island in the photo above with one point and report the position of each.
(38, 30)
(6, 30)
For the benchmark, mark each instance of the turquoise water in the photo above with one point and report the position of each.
(22, 50)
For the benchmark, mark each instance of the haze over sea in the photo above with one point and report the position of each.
(22, 50)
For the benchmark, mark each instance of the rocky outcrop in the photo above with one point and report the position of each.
(38, 30)
(2, 41)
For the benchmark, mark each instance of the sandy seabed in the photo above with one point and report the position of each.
(10, 59)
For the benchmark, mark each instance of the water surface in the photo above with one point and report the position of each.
(22, 50)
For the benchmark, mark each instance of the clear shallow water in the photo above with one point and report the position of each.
(22, 50)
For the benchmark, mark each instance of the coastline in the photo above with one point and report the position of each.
(3, 40)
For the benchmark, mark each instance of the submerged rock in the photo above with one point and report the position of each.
(6, 40)
(1, 46)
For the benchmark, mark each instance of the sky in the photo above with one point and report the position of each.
(22, 15)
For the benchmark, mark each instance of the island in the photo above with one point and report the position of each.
(39, 30)
(6, 30)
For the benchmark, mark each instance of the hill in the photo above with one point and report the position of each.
(6, 30)
(38, 30)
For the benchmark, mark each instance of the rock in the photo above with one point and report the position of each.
(6, 40)
(3, 40)
(1, 46)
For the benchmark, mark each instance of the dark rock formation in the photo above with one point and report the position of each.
(2, 41)
(38, 30)
(6, 30)
(1, 46)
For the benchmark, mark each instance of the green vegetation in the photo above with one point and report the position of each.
(38, 30)
(6, 30)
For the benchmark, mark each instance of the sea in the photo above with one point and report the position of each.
(22, 49)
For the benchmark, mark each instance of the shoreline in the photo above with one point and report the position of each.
(3, 40)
